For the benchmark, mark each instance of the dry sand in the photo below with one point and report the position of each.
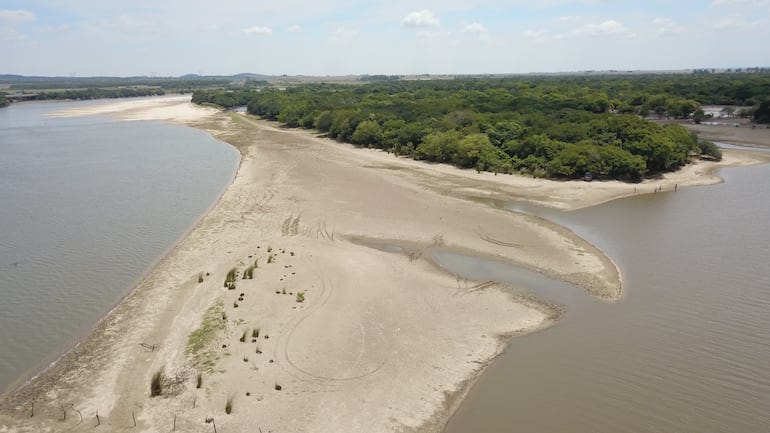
(747, 134)
(383, 341)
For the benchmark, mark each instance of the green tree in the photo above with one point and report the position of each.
(438, 146)
(323, 121)
(762, 113)
(709, 149)
(367, 133)
(698, 116)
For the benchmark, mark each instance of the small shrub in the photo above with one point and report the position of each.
(710, 149)
(156, 383)
(270, 258)
(258, 351)
(269, 249)
(199, 380)
(200, 278)
(300, 296)
(248, 274)
(229, 405)
(231, 274)
(243, 337)
(278, 387)
(255, 333)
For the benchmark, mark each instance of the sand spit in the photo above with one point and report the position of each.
(330, 335)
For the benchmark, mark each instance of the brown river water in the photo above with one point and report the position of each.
(687, 348)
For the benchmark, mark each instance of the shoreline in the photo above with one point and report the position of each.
(52, 361)
(265, 221)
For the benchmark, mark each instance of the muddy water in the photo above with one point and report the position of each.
(687, 349)
(87, 205)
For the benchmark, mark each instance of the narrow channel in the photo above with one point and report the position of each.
(685, 350)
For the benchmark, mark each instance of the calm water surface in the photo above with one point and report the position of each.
(87, 205)
(686, 350)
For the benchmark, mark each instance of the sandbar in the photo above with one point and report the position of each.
(381, 341)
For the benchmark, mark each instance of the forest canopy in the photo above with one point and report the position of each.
(546, 127)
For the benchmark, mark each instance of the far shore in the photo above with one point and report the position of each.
(377, 341)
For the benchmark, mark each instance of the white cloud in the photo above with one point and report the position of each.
(666, 26)
(733, 23)
(424, 18)
(53, 29)
(534, 34)
(16, 16)
(477, 31)
(475, 28)
(9, 34)
(258, 30)
(606, 28)
(295, 28)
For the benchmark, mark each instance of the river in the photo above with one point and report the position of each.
(87, 206)
(686, 349)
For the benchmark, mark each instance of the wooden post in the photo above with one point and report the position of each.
(174, 428)
(133, 417)
(98, 421)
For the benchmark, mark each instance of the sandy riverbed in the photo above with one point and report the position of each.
(383, 341)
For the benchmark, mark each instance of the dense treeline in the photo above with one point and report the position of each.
(226, 99)
(547, 127)
(28, 84)
(98, 93)
(3, 101)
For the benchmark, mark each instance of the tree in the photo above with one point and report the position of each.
(323, 121)
(438, 146)
(544, 126)
(367, 133)
(709, 149)
(762, 113)
(698, 116)
(3, 100)
(503, 132)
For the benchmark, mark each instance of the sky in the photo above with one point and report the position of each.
(345, 37)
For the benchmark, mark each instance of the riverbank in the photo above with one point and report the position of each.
(724, 130)
(381, 341)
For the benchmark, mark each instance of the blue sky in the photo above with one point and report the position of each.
(340, 37)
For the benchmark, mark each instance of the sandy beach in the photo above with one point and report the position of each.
(347, 325)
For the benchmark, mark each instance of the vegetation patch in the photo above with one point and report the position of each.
(199, 342)
(230, 278)
(157, 383)
(248, 274)
(555, 127)
(229, 405)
